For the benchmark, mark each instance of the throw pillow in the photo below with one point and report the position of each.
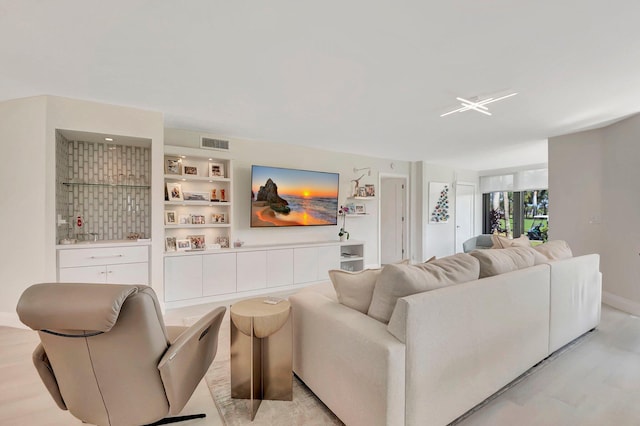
(555, 250)
(500, 261)
(354, 289)
(396, 281)
(503, 242)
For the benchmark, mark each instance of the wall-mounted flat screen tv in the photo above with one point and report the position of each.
(290, 197)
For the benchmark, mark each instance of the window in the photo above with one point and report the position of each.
(512, 214)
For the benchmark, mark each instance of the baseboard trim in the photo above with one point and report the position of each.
(621, 303)
(10, 319)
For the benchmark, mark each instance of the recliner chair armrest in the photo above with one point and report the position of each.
(187, 360)
(41, 361)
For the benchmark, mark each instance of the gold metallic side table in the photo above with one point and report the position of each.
(261, 360)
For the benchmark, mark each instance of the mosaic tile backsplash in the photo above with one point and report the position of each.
(107, 186)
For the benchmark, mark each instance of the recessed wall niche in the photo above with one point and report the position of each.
(103, 186)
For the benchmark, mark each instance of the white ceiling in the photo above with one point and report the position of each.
(369, 77)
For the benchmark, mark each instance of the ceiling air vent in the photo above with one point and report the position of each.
(210, 143)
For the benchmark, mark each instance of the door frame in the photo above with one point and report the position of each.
(473, 210)
(407, 210)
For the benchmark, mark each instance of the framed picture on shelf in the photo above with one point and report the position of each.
(184, 219)
(173, 165)
(183, 245)
(218, 218)
(370, 190)
(362, 192)
(223, 241)
(174, 191)
(170, 217)
(196, 196)
(216, 170)
(170, 244)
(359, 209)
(197, 219)
(191, 170)
(197, 242)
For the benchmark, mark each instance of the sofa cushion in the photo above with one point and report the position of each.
(555, 250)
(503, 242)
(355, 289)
(499, 261)
(396, 281)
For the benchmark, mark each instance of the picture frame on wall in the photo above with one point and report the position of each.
(173, 165)
(170, 244)
(183, 245)
(190, 170)
(438, 202)
(216, 170)
(197, 242)
(174, 191)
(170, 217)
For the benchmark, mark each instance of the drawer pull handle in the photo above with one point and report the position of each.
(106, 257)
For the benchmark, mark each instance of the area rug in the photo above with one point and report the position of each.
(304, 409)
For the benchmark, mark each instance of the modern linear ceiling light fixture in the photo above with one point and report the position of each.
(477, 105)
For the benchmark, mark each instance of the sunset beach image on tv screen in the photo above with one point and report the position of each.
(290, 197)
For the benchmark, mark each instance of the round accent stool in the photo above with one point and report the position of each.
(261, 356)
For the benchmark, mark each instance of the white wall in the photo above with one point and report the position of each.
(23, 218)
(438, 239)
(593, 184)
(246, 153)
(27, 129)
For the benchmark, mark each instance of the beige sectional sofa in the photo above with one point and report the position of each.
(447, 347)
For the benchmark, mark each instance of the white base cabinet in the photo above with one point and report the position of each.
(104, 263)
(199, 277)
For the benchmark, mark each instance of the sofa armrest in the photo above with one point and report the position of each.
(576, 297)
(187, 360)
(349, 360)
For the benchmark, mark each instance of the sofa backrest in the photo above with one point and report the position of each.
(465, 342)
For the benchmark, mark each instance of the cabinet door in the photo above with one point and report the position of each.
(182, 277)
(85, 274)
(252, 270)
(328, 258)
(279, 267)
(305, 264)
(218, 274)
(128, 273)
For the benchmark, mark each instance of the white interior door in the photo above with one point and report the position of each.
(392, 220)
(465, 200)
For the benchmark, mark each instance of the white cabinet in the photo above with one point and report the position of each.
(213, 275)
(352, 256)
(218, 274)
(279, 267)
(251, 270)
(104, 265)
(182, 277)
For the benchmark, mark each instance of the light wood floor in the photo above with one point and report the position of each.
(597, 382)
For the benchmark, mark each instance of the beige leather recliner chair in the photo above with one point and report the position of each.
(106, 356)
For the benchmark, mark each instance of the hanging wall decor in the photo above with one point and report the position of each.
(438, 202)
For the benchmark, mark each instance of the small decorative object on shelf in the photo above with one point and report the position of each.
(195, 196)
(173, 165)
(216, 170)
(223, 241)
(214, 195)
(170, 244)
(191, 170)
(222, 195)
(344, 211)
(174, 191)
(218, 218)
(197, 242)
(362, 192)
(369, 190)
(170, 217)
(183, 245)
